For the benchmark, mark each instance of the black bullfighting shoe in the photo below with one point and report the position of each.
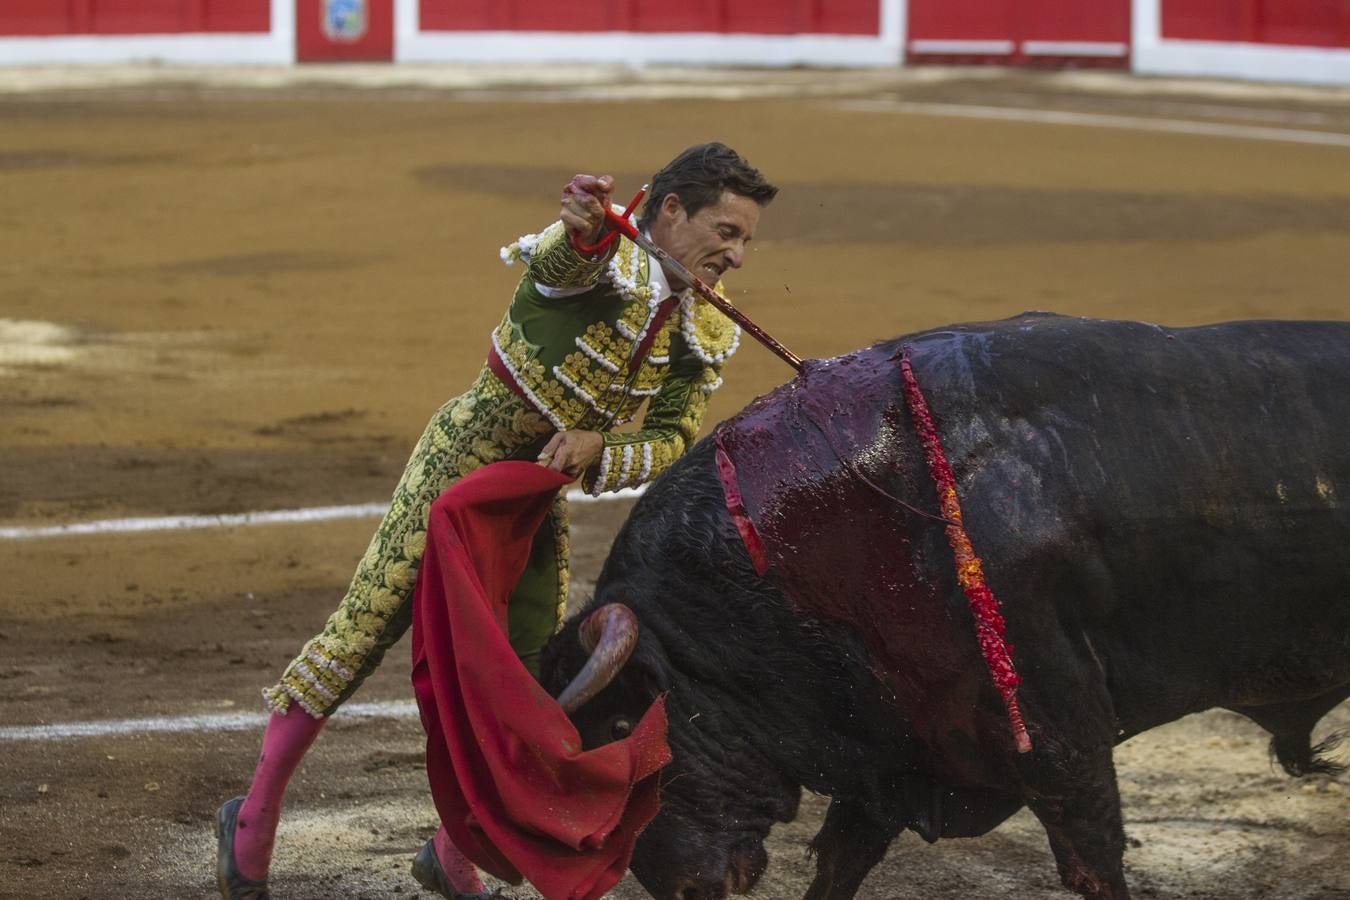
(233, 885)
(426, 868)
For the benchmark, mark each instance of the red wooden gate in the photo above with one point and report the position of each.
(1025, 32)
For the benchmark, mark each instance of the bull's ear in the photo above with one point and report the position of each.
(650, 666)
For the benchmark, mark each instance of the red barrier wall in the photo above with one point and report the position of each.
(652, 16)
(1306, 23)
(58, 17)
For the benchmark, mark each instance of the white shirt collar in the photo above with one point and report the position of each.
(656, 275)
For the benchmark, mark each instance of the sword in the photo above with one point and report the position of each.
(619, 224)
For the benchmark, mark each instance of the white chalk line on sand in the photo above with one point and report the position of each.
(1104, 120)
(242, 520)
(394, 709)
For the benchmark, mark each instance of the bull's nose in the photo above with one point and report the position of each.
(700, 889)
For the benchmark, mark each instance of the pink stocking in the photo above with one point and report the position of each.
(284, 744)
(462, 874)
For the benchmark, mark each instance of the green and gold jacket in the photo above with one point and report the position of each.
(568, 338)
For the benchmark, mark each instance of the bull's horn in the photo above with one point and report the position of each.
(609, 634)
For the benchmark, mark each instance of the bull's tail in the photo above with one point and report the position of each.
(1300, 758)
(1291, 724)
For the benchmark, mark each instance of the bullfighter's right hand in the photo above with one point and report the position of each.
(572, 452)
(584, 201)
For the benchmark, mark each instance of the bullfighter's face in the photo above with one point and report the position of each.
(711, 240)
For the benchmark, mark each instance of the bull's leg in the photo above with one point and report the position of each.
(1073, 793)
(848, 845)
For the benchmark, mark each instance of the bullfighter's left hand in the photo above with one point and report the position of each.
(572, 452)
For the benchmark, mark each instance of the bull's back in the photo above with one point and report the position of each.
(1189, 486)
(1229, 421)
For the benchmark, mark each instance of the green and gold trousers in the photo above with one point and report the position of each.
(486, 424)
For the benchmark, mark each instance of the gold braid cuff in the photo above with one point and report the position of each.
(556, 263)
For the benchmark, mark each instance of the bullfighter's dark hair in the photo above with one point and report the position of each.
(700, 175)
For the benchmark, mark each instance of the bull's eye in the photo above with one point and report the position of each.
(620, 728)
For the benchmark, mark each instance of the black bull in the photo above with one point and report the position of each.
(1164, 516)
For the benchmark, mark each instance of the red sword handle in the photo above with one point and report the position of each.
(618, 224)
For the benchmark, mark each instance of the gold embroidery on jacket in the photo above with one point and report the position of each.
(711, 336)
(554, 262)
(591, 387)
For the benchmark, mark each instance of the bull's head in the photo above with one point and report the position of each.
(719, 795)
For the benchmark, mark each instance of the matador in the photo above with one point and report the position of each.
(590, 336)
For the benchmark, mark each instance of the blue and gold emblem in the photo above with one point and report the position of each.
(344, 20)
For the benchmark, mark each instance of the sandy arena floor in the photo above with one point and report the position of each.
(226, 294)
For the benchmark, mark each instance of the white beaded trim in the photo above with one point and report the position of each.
(627, 285)
(539, 405)
(577, 389)
(627, 465)
(295, 698)
(304, 672)
(599, 358)
(652, 306)
(332, 665)
(592, 402)
(690, 338)
(524, 246)
(599, 487)
(646, 463)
